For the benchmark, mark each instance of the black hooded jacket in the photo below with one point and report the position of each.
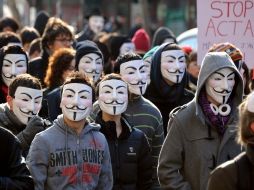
(130, 155)
(164, 96)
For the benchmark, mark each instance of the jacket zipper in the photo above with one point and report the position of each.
(117, 160)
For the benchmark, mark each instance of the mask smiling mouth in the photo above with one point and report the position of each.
(28, 113)
(223, 91)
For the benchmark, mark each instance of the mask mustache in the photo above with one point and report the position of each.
(139, 83)
(30, 113)
(93, 72)
(223, 91)
(10, 76)
(176, 71)
(114, 101)
(75, 108)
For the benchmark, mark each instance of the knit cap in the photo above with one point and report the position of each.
(142, 41)
(85, 47)
(150, 52)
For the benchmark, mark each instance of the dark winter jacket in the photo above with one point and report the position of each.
(13, 171)
(145, 116)
(85, 34)
(38, 67)
(227, 175)
(9, 121)
(53, 99)
(130, 156)
(164, 96)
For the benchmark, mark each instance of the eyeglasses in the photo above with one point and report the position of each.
(64, 40)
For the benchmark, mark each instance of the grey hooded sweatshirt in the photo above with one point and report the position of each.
(193, 147)
(60, 159)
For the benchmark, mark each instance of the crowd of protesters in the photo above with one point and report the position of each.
(104, 110)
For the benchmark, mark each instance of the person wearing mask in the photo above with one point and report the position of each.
(72, 153)
(13, 62)
(20, 113)
(167, 89)
(140, 112)
(202, 133)
(129, 148)
(94, 26)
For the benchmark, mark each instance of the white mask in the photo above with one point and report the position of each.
(13, 65)
(135, 74)
(91, 64)
(147, 62)
(220, 84)
(76, 101)
(113, 96)
(173, 65)
(26, 103)
(96, 23)
(127, 47)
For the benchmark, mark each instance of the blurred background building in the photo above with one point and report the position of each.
(121, 15)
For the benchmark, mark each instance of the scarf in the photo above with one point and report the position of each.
(218, 121)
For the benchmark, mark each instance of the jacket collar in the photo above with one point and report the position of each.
(108, 128)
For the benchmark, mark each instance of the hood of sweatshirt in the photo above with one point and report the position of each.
(89, 127)
(212, 62)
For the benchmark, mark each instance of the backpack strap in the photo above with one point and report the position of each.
(244, 172)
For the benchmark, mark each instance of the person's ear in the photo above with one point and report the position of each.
(10, 101)
(252, 126)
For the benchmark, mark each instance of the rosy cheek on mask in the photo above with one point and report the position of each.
(104, 97)
(127, 78)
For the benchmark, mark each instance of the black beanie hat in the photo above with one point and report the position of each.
(115, 44)
(93, 12)
(86, 47)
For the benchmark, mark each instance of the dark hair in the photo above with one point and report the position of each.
(12, 49)
(35, 46)
(28, 34)
(77, 77)
(8, 37)
(107, 77)
(9, 22)
(59, 62)
(41, 21)
(54, 28)
(246, 74)
(24, 80)
(125, 58)
(191, 57)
